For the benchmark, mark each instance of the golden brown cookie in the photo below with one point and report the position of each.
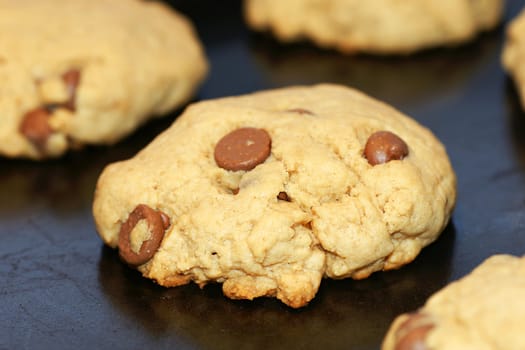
(269, 192)
(484, 310)
(90, 72)
(375, 26)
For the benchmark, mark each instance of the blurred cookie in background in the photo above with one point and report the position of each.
(375, 26)
(90, 72)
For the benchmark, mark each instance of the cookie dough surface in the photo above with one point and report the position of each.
(375, 26)
(484, 311)
(89, 72)
(513, 56)
(311, 205)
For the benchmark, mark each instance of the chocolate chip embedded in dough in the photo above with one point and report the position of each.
(243, 149)
(35, 127)
(157, 223)
(384, 146)
(412, 333)
(283, 196)
(71, 78)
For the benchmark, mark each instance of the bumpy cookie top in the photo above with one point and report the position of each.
(376, 26)
(268, 192)
(484, 310)
(82, 71)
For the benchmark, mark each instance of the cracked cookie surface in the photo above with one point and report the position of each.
(483, 310)
(310, 204)
(375, 26)
(90, 72)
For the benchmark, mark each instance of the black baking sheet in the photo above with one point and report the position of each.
(61, 289)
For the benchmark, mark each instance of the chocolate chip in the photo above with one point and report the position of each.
(283, 196)
(300, 111)
(412, 333)
(384, 146)
(35, 123)
(235, 191)
(71, 78)
(243, 149)
(35, 127)
(157, 223)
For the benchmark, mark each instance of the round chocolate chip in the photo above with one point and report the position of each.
(35, 127)
(384, 146)
(157, 222)
(71, 78)
(243, 149)
(412, 333)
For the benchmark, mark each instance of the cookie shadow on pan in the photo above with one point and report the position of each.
(398, 80)
(66, 184)
(353, 314)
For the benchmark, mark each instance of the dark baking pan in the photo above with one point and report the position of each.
(61, 289)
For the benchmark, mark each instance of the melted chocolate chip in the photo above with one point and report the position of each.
(35, 127)
(243, 149)
(157, 222)
(384, 146)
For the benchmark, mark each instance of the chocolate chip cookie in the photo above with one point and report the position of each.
(90, 72)
(484, 310)
(375, 26)
(270, 192)
(514, 54)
